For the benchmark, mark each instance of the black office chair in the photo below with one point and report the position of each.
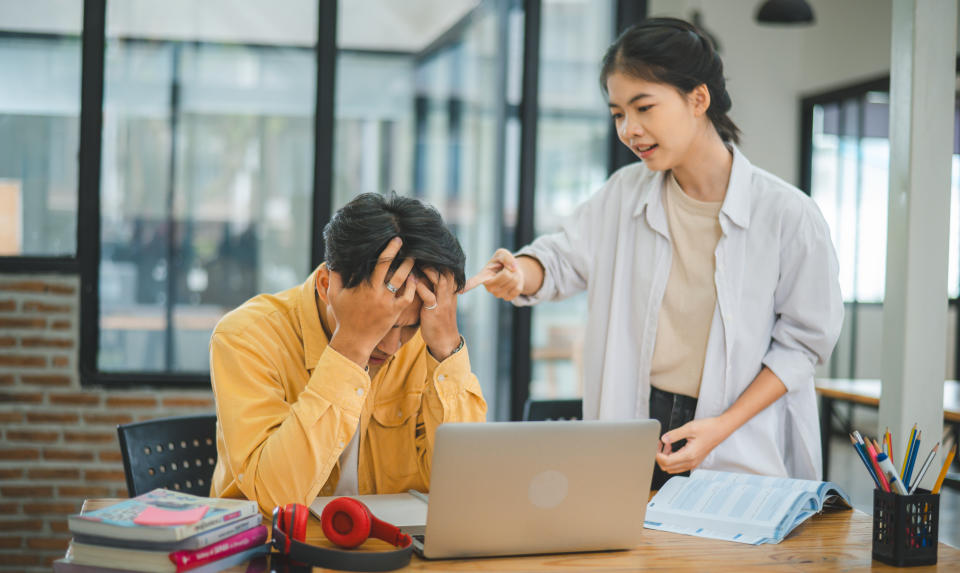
(176, 453)
(543, 410)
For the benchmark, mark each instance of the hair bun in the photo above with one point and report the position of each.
(723, 102)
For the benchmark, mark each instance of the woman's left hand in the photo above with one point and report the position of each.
(702, 436)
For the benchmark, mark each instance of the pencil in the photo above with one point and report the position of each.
(889, 439)
(923, 468)
(906, 454)
(913, 458)
(943, 471)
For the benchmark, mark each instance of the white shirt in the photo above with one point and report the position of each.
(778, 305)
(348, 483)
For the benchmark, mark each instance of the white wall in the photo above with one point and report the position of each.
(770, 68)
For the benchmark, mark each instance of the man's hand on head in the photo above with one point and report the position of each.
(438, 316)
(366, 312)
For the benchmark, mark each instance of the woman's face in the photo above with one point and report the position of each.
(656, 121)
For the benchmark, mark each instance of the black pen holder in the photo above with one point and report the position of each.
(906, 527)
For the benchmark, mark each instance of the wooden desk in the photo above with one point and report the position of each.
(831, 541)
(866, 392)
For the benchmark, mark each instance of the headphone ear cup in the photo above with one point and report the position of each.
(346, 522)
(295, 523)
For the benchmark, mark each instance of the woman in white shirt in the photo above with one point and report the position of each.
(712, 285)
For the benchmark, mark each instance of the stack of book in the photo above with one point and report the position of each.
(165, 531)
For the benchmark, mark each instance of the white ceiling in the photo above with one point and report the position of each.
(390, 25)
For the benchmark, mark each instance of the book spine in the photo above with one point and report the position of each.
(201, 540)
(188, 559)
(209, 523)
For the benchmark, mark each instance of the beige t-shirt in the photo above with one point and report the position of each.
(691, 294)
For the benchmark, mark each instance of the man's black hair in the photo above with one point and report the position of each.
(358, 233)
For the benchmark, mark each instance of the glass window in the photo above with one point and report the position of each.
(422, 109)
(207, 170)
(572, 147)
(850, 181)
(39, 126)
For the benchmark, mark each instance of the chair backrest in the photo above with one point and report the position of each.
(176, 453)
(542, 410)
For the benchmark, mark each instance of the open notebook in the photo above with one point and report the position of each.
(408, 511)
(739, 507)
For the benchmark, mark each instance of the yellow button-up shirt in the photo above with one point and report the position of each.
(288, 405)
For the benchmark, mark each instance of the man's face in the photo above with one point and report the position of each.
(405, 327)
(403, 330)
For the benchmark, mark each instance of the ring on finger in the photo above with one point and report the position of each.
(431, 307)
(391, 288)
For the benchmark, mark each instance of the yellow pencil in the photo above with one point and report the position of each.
(906, 457)
(889, 441)
(943, 472)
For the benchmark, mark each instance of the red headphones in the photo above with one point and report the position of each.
(347, 523)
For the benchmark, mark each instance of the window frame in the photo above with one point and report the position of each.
(514, 354)
(61, 264)
(88, 213)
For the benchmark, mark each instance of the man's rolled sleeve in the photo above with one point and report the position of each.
(452, 377)
(345, 384)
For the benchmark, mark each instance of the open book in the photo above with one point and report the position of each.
(739, 507)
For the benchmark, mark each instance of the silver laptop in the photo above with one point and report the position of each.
(514, 488)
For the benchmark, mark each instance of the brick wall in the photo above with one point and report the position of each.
(59, 439)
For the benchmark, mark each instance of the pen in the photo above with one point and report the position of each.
(943, 471)
(923, 468)
(906, 454)
(866, 463)
(891, 473)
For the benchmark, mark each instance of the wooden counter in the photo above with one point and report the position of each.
(832, 541)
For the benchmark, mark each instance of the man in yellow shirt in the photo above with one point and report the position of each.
(337, 386)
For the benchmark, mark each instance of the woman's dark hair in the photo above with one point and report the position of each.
(674, 52)
(358, 233)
